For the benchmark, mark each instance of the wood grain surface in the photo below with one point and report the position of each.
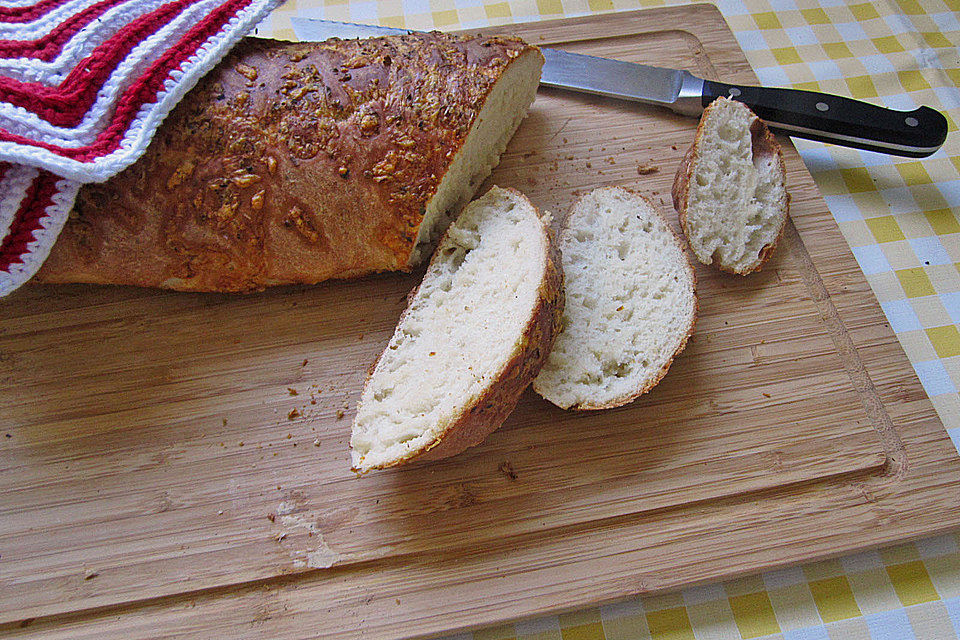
(177, 465)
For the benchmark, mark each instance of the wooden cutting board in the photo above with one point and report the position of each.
(177, 464)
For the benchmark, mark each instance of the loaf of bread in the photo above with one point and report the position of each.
(300, 162)
(630, 303)
(730, 189)
(475, 334)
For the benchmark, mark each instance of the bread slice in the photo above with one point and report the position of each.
(301, 162)
(730, 189)
(473, 336)
(630, 303)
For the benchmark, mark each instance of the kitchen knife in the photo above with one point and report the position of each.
(805, 114)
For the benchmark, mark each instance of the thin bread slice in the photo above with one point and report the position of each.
(473, 337)
(730, 189)
(630, 303)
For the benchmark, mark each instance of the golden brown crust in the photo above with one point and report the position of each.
(486, 413)
(764, 144)
(289, 163)
(680, 190)
(652, 382)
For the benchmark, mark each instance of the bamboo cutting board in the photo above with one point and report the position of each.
(177, 464)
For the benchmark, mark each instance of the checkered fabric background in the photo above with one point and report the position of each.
(900, 218)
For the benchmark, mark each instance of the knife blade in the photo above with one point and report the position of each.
(805, 114)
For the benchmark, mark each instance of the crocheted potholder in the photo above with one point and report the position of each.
(83, 87)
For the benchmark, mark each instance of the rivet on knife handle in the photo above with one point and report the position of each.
(843, 121)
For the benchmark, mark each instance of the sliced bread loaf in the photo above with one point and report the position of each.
(472, 338)
(729, 190)
(630, 303)
(301, 162)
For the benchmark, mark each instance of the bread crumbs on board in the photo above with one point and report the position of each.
(647, 169)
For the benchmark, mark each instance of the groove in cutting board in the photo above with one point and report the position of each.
(127, 410)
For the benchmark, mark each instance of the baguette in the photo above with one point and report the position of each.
(730, 189)
(300, 162)
(473, 336)
(630, 303)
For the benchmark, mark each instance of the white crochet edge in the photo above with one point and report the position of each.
(80, 46)
(41, 26)
(23, 122)
(16, 180)
(55, 216)
(138, 135)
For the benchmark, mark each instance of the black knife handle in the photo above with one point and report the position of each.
(843, 121)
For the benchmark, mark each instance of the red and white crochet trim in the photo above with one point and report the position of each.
(84, 84)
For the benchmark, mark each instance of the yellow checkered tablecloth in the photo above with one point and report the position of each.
(900, 218)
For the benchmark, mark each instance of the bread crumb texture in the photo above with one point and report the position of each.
(630, 303)
(465, 324)
(730, 190)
